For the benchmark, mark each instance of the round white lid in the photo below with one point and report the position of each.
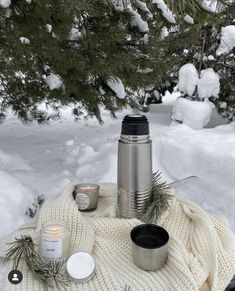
(80, 265)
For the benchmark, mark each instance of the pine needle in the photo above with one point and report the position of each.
(161, 200)
(49, 273)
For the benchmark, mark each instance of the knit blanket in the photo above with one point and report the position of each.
(201, 247)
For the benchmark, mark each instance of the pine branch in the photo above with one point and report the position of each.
(49, 273)
(161, 200)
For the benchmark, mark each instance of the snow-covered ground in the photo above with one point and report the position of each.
(38, 160)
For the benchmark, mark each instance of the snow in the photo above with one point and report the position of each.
(195, 114)
(208, 84)
(24, 40)
(38, 160)
(227, 42)
(188, 79)
(74, 34)
(166, 12)
(210, 5)
(15, 196)
(211, 58)
(14, 199)
(117, 86)
(164, 32)
(189, 19)
(208, 154)
(223, 105)
(139, 22)
(142, 6)
(12, 162)
(49, 28)
(119, 5)
(5, 3)
(53, 81)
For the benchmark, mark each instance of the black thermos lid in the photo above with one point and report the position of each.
(135, 124)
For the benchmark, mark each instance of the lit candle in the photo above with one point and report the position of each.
(54, 241)
(86, 196)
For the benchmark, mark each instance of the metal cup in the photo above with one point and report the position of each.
(149, 246)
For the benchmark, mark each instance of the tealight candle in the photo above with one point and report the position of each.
(86, 196)
(54, 241)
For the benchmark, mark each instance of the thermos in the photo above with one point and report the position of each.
(134, 167)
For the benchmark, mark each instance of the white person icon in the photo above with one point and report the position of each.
(15, 277)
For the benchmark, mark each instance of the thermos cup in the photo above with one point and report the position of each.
(134, 167)
(149, 246)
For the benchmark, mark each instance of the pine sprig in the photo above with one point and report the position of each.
(161, 200)
(49, 273)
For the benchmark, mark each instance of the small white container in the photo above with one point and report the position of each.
(80, 267)
(54, 241)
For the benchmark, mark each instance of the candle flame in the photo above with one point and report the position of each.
(54, 232)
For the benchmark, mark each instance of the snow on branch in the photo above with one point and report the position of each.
(208, 85)
(188, 19)
(5, 3)
(166, 12)
(117, 86)
(188, 79)
(53, 81)
(142, 6)
(210, 5)
(227, 42)
(139, 22)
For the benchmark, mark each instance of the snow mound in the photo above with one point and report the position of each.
(117, 86)
(207, 153)
(53, 81)
(12, 162)
(188, 79)
(195, 114)
(14, 199)
(227, 42)
(208, 84)
(97, 162)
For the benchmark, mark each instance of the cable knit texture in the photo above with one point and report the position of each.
(201, 248)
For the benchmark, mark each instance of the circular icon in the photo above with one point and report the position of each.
(15, 277)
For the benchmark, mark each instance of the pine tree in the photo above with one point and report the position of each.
(201, 50)
(89, 54)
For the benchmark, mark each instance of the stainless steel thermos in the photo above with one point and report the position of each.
(134, 167)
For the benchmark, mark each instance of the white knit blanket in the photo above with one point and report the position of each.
(201, 248)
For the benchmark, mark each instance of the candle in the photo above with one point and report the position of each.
(86, 196)
(54, 241)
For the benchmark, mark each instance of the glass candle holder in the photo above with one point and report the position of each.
(54, 241)
(86, 196)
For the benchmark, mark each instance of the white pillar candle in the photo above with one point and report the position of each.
(54, 241)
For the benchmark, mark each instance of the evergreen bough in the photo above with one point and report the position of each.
(85, 44)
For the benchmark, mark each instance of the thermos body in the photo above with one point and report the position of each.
(134, 171)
